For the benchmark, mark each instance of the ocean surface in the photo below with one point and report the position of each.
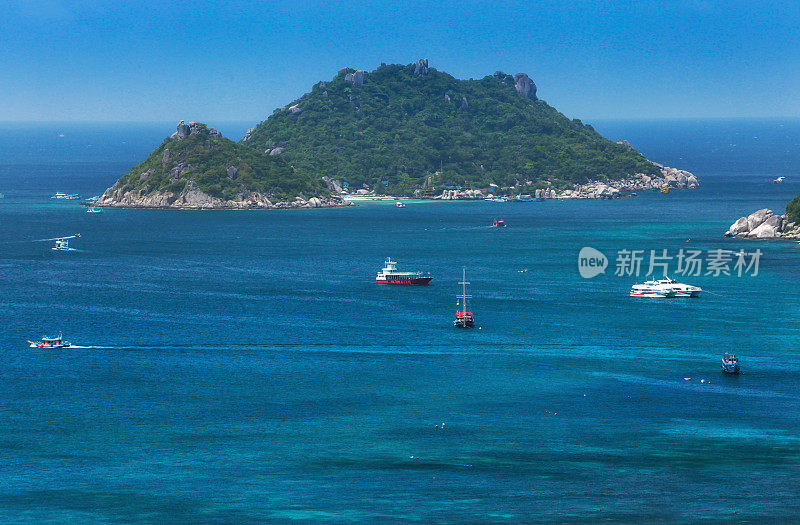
(242, 366)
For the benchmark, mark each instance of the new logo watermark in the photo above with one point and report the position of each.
(694, 263)
(591, 262)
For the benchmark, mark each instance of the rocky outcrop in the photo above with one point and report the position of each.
(356, 78)
(525, 86)
(464, 104)
(764, 224)
(464, 194)
(193, 198)
(592, 190)
(276, 148)
(670, 178)
(421, 67)
(186, 129)
(334, 186)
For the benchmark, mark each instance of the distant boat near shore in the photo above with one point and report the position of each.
(66, 196)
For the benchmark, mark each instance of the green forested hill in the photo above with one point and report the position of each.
(198, 157)
(415, 126)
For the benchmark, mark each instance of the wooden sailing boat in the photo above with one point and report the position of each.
(463, 318)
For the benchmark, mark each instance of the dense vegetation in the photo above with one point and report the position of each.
(207, 161)
(417, 131)
(793, 210)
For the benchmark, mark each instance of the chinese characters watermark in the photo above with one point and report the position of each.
(659, 263)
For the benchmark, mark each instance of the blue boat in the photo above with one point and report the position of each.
(730, 364)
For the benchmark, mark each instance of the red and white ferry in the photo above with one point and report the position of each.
(390, 275)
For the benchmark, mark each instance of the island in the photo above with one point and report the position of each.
(400, 131)
(197, 168)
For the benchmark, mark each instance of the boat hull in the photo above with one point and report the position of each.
(658, 295)
(417, 281)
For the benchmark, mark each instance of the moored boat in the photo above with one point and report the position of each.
(66, 196)
(390, 275)
(463, 318)
(730, 364)
(681, 289)
(652, 289)
(498, 223)
(94, 209)
(400, 204)
(50, 342)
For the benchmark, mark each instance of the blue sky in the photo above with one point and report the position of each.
(213, 61)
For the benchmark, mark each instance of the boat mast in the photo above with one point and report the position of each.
(464, 284)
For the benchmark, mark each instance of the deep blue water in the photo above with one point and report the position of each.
(243, 366)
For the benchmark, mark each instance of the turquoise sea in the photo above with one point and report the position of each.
(244, 367)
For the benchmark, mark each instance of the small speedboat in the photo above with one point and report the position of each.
(730, 364)
(400, 204)
(94, 209)
(66, 196)
(498, 223)
(62, 243)
(50, 342)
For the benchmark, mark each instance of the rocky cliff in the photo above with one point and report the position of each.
(197, 168)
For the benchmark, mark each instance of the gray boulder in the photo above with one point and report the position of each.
(183, 131)
(356, 78)
(421, 67)
(754, 220)
(738, 228)
(769, 228)
(525, 86)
